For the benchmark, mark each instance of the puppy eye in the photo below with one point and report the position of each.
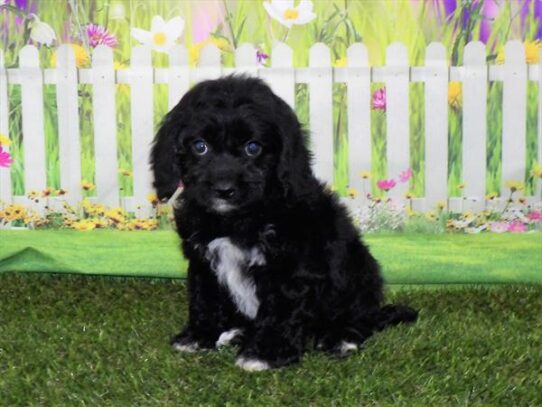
(253, 148)
(200, 147)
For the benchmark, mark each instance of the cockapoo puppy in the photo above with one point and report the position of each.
(276, 264)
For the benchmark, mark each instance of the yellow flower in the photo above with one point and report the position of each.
(467, 215)
(142, 224)
(83, 225)
(82, 58)
(514, 185)
(537, 170)
(195, 49)
(491, 197)
(365, 174)
(34, 219)
(33, 195)
(340, 63)
(431, 216)
(153, 199)
(454, 94)
(13, 212)
(87, 186)
(126, 173)
(461, 185)
(441, 205)
(4, 141)
(532, 50)
(46, 192)
(61, 192)
(352, 193)
(409, 195)
(99, 223)
(117, 215)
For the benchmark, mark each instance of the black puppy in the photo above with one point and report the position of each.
(274, 258)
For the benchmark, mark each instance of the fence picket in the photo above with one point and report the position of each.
(281, 76)
(245, 60)
(209, 64)
(68, 124)
(35, 175)
(514, 112)
(397, 110)
(474, 125)
(178, 75)
(321, 111)
(436, 125)
(5, 173)
(142, 107)
(105, 126)
(358, 88)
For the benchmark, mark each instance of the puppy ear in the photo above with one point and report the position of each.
(164, 155)
(294, 168)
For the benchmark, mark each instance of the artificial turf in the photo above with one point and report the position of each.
(406, 258)
(96, 341)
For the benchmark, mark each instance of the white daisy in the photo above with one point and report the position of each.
(285, 13)
(162, 35)
(41, 32)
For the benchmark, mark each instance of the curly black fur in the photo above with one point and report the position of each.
(267, 224)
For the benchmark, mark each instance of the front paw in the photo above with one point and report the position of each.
(189, 342)
(254, 359)
(251, 364)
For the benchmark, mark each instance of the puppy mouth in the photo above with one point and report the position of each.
(220, 205)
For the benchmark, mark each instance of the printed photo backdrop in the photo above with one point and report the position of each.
(122, 24)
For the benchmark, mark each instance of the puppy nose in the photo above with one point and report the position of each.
(224, 190)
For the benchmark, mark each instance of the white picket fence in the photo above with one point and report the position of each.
(282, 77)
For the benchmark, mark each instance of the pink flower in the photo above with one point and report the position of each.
(5, 158)
(386, 184)
(405, 175)
(379, 99)
(517, 227)
(98, 35)
(498, 227)
(535, 216)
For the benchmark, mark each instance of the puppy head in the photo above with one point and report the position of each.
(233, 143)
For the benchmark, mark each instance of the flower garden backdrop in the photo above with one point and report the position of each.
(160, 24)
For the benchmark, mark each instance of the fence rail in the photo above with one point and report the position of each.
(320, 76)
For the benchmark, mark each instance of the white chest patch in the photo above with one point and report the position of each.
(230, 264)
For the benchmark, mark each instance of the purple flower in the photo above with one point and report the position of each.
(405, 175)
(379, 99)
(517, 227)
(386, 184)
(537, 12)
(490, 10)
(498, 227)
(98, 35)
(5, 158)
(261, 56)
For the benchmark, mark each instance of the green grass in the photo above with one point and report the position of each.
(406, 258)
(99, 341)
